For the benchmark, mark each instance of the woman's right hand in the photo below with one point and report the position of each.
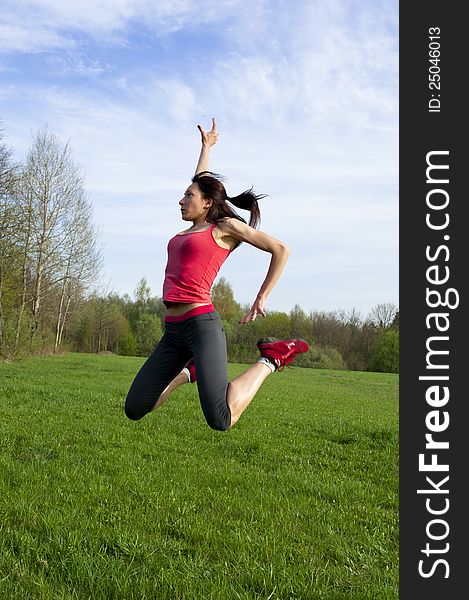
(209, 138)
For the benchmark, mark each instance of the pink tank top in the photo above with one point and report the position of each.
(194, 260)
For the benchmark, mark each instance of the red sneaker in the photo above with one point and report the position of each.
(191, 368)
(281, 352)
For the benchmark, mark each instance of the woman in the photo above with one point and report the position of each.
(193, 347)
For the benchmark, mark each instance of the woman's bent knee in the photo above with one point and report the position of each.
(134, 410)
(218, 422)
(132, 414)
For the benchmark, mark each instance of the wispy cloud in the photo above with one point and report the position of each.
(38, 25)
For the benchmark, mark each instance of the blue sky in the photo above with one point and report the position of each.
(306, 98)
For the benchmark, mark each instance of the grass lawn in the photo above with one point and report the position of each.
(299, 500)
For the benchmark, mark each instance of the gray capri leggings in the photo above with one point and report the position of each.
(201, 337)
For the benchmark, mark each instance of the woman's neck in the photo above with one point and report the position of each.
(199, 224)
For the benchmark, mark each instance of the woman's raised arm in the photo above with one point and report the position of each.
(209, 138)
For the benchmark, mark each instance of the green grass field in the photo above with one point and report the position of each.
(299, 500)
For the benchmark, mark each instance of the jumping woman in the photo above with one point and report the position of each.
(193, 347)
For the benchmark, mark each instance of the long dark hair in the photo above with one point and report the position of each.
(211, 187)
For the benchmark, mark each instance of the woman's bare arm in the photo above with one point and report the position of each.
(279, 251)
(209, 138)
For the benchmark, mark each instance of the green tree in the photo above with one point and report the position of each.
(10, 250)
(100, 326)
(148, 333)
(224, 302)
(321, 358)
(127, 344)
(386, 353)
(275, 324)
(142, 295)
(300, 325)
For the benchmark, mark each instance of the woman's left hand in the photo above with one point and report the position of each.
(257, 309)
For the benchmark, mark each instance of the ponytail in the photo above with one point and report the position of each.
(211, 186)
(248, 200)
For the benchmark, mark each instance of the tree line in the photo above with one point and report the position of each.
(50, 261)
(338, 340)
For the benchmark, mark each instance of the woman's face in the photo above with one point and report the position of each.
(193, 205)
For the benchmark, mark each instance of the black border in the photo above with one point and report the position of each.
(420, 133)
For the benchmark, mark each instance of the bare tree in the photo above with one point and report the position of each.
(81, 261)
(24, 233)
(383, 315)
(62, 250)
